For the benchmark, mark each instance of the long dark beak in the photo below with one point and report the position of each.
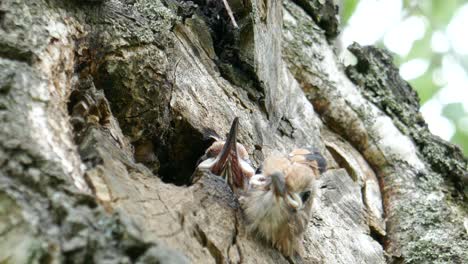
(228, 161)
(229, 148)
(278, 184)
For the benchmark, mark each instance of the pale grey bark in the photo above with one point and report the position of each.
(104, 104)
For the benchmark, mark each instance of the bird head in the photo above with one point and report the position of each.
(278, 204)
(229, 159)
(291, 183)
(280, 197)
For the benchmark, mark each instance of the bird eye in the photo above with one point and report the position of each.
(259, 170)
(211, 153)
(305, 196)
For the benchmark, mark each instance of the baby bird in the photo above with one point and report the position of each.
(278, 205)
(229, 160)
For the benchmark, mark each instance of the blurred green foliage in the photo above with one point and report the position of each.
(438, 14)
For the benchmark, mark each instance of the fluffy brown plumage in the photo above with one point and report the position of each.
(278, 205)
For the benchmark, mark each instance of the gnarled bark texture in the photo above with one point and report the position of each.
(103, 108)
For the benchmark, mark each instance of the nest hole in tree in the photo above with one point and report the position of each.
(169, 151)
(179, 152)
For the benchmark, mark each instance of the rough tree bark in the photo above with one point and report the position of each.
(103, 108)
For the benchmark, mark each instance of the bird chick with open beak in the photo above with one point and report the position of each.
(229, 160)
(278, 205)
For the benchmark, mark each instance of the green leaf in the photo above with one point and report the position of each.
(424, 86)
(443, 11)
(349, 6)
(461, 140)
(421, 48)
(453, 111)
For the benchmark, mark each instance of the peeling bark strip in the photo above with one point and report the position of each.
(103, 107)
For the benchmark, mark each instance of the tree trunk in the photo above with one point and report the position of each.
(104, 106)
